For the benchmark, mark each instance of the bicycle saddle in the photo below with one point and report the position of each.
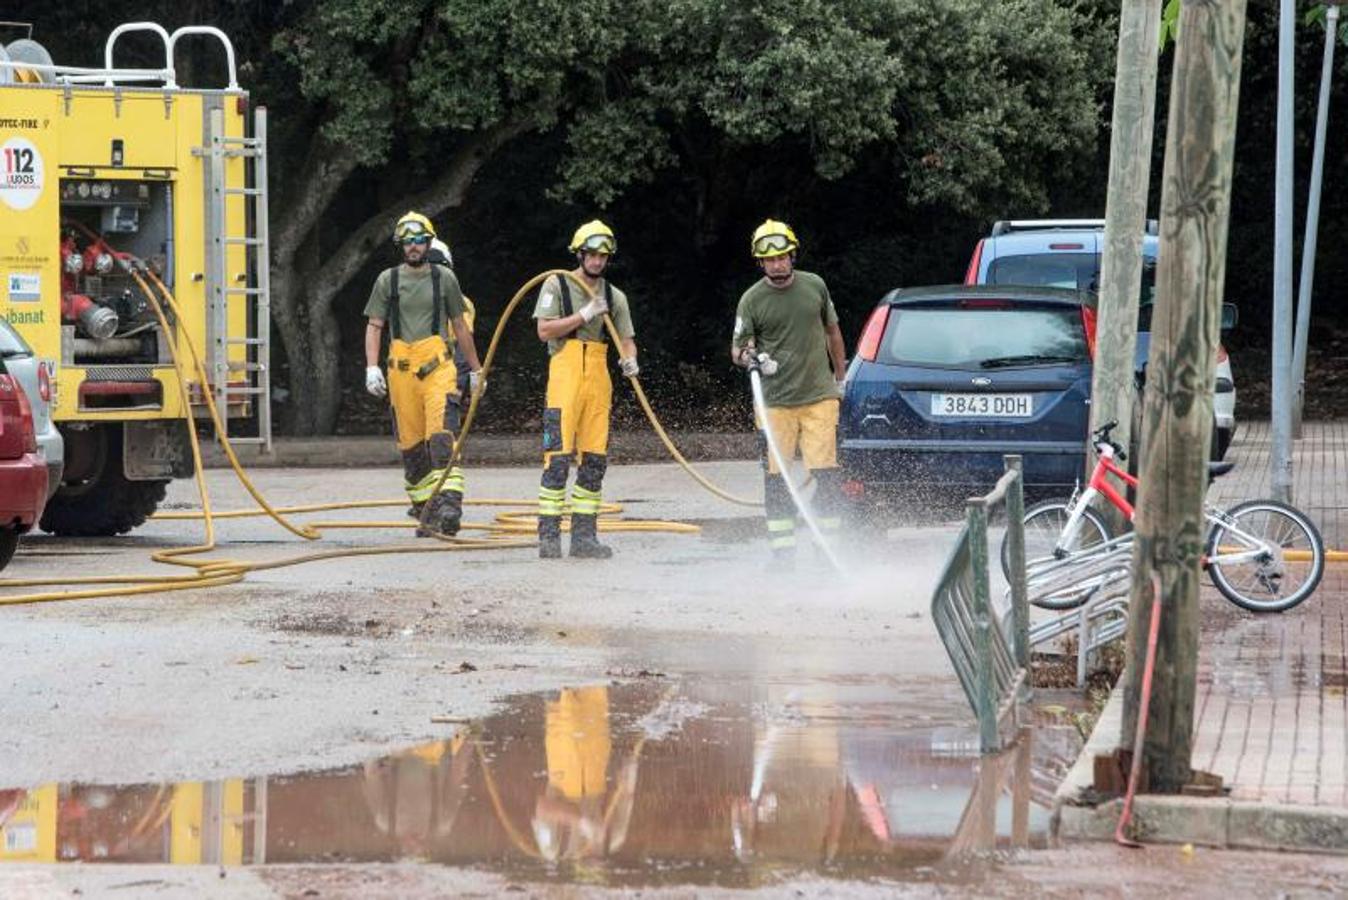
(1217, 469)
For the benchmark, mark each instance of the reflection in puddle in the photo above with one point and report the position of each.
(634, 784)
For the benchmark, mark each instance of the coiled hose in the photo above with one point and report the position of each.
(215, 572)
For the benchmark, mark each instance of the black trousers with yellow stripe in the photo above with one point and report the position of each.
(423, 391)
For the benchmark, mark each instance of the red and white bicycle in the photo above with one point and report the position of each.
(1263, 555)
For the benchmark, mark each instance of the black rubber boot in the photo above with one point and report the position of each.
(780, 515)
(585, 540)
(451, 511)
(415, 511)
(443, 516)
(549, 537)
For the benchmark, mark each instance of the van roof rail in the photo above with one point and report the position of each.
(1007, 226)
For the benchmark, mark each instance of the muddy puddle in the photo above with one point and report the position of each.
(657, 782)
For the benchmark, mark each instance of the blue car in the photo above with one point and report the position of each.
(1066, 253)
(948, 379)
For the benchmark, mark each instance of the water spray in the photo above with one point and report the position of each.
(761, 408)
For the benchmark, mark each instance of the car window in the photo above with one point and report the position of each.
(1070, 270)
(1078, 271)
(954, 337)
(10, 342)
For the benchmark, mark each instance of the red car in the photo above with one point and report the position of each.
(23, 470)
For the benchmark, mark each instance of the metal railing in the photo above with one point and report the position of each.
(992, 665)
(110, 75)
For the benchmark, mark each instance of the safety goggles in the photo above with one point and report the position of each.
(407, 230)
(599, 243)
(420, 240)
(772, 244)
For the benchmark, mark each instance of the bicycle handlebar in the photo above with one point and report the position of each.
(1101, 436)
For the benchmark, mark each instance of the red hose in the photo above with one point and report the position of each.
(1147, 671)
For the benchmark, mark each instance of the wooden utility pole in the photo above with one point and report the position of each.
(1177, 407)
(1125, 220)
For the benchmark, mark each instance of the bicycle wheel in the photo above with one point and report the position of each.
(1288, 568)
(1044, 523)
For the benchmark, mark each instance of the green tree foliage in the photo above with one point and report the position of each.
(411, 98)
(685, 121)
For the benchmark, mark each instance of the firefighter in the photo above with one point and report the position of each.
(787, 328)
(580, 394)
(420, 301)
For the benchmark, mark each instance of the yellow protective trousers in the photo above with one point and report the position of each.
(422, 387)
(580, 396)
(575, 421)
(813, 429)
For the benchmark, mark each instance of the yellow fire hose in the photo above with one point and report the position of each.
(506, 313)
(215, 572)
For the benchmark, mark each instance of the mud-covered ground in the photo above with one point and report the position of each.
(686, 718)
(339, 660)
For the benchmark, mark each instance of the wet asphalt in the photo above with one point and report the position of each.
(689, 715)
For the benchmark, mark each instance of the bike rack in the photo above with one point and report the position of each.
(1100, 580)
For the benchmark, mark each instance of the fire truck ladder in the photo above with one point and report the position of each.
(252, 286)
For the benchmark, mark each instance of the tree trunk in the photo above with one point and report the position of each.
(1125, 220)
(303, 305)
(310, 342)
(1177, 410)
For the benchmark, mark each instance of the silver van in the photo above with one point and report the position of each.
(35, 379)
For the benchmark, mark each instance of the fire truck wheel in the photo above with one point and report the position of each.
(104, 503)
(9, 542)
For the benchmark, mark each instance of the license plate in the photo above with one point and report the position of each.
(990, 405)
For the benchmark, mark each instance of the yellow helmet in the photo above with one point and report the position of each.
(594, 237)
(411, 225)
(773, 238)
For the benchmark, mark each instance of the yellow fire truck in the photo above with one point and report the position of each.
(106, 172)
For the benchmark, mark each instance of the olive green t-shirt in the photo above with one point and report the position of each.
(789, 325)
(549, 306)
(416, 302)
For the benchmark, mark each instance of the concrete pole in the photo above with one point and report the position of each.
(1280, 399)
(1112, 392)
(1313, 219)
(1177, 408)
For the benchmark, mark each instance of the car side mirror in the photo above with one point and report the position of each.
(1230, 316)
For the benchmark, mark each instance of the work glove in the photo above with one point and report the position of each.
(595, 308)
(374, 381)
(477, 385)
(766, 364)
(629, 366)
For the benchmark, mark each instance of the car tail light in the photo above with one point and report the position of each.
(43, 382)
(1088, 319)
(1222, 355)
(984, 304)
(869, 345)
(17, 436)
(1067, 246)
(971, 276)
